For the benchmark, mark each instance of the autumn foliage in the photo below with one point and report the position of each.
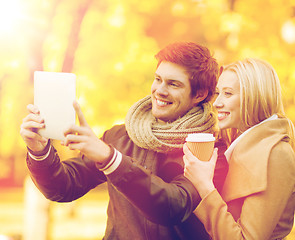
(110, 46)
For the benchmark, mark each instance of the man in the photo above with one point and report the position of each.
(141, 160)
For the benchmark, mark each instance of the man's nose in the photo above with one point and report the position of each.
(162, 89)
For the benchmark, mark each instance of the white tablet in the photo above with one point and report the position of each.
(54, 94)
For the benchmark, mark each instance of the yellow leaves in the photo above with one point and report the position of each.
(180, 28)
(117, 18)
(119, 67)
(231, 22)
(12, 109)
(114, 60)
(232, 41)
(179, 8)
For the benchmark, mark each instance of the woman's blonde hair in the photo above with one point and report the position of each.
(260, 92)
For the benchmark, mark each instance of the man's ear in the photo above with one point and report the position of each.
(200, 96)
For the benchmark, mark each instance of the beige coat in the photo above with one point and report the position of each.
(258, 198)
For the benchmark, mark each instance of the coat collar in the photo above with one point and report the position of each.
(247, 172)
(229, 151)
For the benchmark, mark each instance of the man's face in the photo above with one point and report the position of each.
(171, 92)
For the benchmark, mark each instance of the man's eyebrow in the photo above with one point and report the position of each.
(174, 80)
(169, 79)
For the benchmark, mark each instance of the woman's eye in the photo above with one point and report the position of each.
(228, 93)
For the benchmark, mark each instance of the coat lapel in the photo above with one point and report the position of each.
(247, 172)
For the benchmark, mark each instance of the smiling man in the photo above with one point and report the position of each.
(171, 92)
(141, 160)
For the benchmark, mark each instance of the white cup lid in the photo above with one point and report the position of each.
(200, 137)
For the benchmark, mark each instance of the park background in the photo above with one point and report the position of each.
(110, 46)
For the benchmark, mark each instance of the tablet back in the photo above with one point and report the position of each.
(54, 93)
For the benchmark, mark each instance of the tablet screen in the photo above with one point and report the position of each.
(54, 94)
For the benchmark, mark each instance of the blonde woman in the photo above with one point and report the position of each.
(257, 200)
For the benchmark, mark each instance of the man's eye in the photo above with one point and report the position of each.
(173, 85)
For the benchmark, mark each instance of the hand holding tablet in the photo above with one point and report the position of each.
(54, 94)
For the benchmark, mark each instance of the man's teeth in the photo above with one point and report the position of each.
(161, 103)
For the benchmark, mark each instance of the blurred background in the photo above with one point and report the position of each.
(110, 46)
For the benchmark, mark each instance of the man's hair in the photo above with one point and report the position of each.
(199, 63)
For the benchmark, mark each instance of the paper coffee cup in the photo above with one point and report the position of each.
(201, 145)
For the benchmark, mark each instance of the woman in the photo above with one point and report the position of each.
(257, 200)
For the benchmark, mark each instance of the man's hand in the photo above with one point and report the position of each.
(29, 129)
(82, 138)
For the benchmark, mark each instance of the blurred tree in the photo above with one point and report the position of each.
(110, 46)
(74, 36)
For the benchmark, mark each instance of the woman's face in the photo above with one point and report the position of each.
(227, 102)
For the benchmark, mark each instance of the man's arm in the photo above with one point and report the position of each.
(167, 199)
(159, 201)
(59, 181)
(62, 181)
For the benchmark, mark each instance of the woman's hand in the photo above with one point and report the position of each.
(82, 138)
(200, 173)
(29, 129)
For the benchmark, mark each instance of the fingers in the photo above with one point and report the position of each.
(214, 156)
(33, 121)
(72, 138)
(188, 154)
(190, 157)
(184, 160)
(33, 124)
(31, 135)
(186, 150)
(76, 130)
(82, 119)
(33, 109)
(34, 114)
(76, 137)
(76, 146)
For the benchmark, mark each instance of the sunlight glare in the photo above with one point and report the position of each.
(2, 237)
(10, 14)
(118, 17)
(288, 31)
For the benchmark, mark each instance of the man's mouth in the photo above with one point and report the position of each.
(162, 103)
